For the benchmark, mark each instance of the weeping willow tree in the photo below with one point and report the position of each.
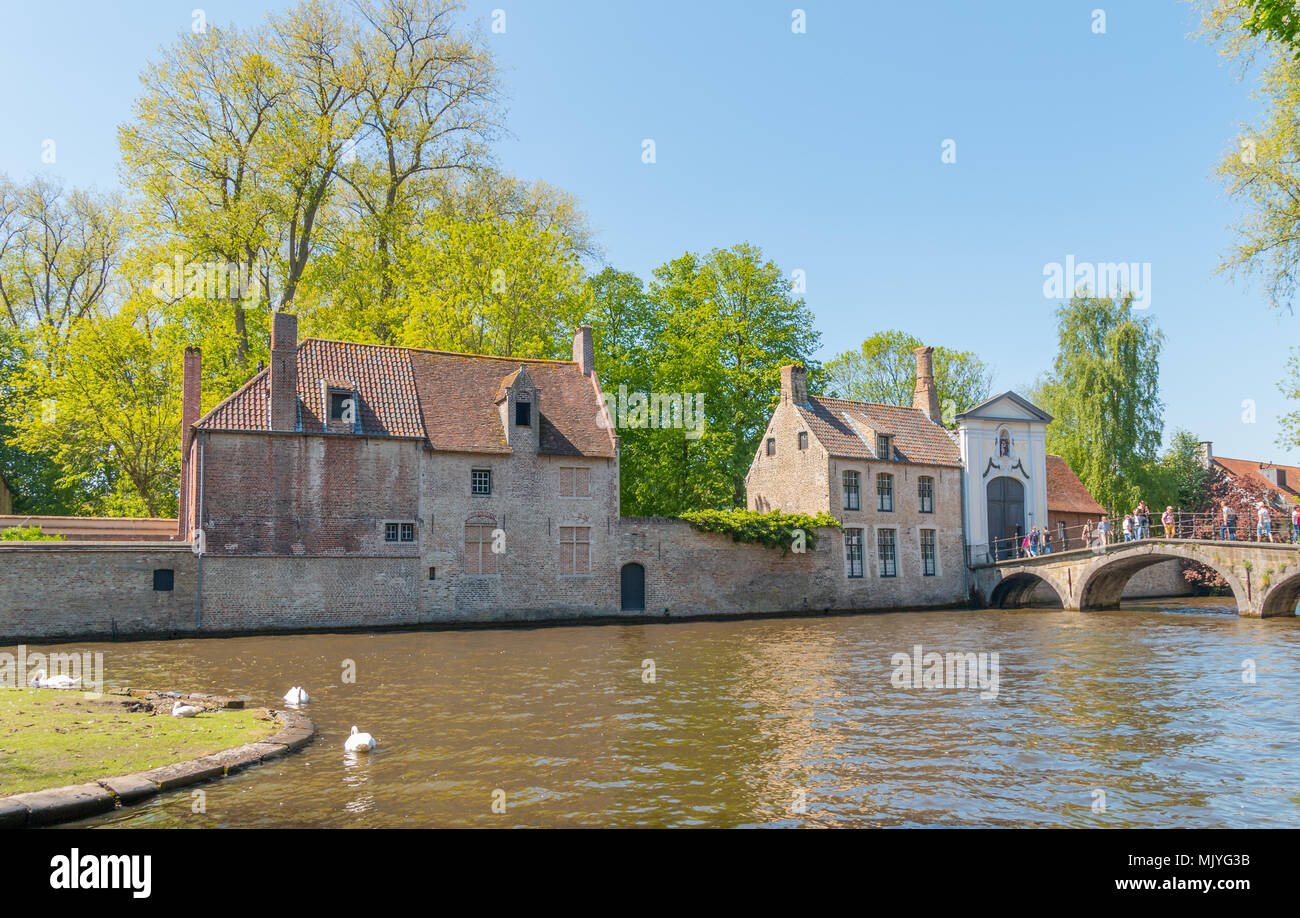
(1104, 393)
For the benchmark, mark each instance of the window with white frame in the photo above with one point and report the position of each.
(480, 482)
(885, 492)
(887, 550)
(852, 491)
(928, 562)
(925, 493)
(853, 552)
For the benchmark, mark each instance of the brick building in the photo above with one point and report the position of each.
(891, 475)
(415, 460)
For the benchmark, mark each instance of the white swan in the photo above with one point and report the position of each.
(359, 742)
(296, 695)
(61, 681)
(185, 710)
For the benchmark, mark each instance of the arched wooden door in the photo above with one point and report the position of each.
(1006, 507)
(632, 588)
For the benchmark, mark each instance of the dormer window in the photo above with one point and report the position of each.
(884, 446)
(342, 406)
(523, 414)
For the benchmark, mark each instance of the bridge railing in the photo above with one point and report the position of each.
(1207, 526)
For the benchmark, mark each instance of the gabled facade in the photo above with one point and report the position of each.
(1004, 452)
(495, 473)
(891, 475)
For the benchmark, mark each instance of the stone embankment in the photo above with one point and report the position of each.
(76, 801)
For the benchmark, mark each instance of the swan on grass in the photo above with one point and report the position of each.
(296, 695)
(359, 742)
(185, 710)
(61, 681)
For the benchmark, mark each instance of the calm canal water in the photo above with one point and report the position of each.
(747, 719)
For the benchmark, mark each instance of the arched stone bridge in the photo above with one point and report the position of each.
(1264, 577)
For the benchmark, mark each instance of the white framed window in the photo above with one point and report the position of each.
(929, 563)
(852, 491)
(885, 492)
(925, 493)
(480, 482)
(887, 552)
(853, 552)
(399, 532)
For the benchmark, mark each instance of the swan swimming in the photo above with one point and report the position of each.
(185, 710)
(359, 742)
(296, 695)
(61, 681)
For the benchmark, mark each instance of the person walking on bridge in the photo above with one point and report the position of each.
(1128, 527)
(1265, 525)
(1295, 523)
(1103, 530)
(1167, 518)
(1227, 529)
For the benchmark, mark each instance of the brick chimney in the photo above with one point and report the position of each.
(925, 398)
(584, 351)
(191, 401)
(794, 384)
(284, 372)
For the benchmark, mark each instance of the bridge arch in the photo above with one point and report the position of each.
(1102, 581)
(1281, 597)
(1017, 587)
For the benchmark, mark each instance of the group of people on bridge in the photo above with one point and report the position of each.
(1223, 523)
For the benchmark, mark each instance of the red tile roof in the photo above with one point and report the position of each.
(1254, 472)
(1065, 492)
(847, 430)
(444, 398)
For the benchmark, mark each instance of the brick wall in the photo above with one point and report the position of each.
(51, 591)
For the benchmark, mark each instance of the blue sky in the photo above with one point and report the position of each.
(824, 148)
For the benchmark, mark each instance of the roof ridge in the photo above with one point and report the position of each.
(428, 350)
(854, 401)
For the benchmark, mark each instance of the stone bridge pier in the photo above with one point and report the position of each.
(1264, 577)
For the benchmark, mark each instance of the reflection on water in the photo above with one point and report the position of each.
(772, 722)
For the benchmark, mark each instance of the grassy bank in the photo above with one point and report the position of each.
(49, 738)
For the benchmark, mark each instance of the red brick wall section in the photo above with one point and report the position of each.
(284, 372)
(297, 495)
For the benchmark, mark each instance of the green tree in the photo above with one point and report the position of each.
(717, 326)
(1104, 393)
(1184, 479)
(883, 370)
(34, 476)
(110, 415)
